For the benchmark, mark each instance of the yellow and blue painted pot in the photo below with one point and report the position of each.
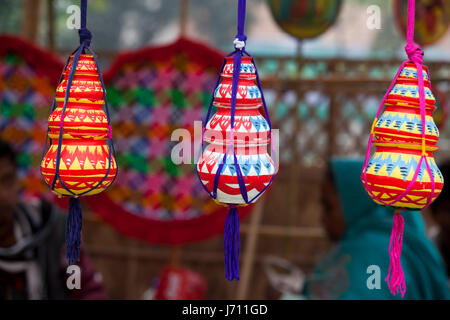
(391, 170)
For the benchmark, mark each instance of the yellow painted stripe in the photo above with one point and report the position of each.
(405, 146)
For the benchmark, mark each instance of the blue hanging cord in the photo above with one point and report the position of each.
(74, 219)
(74, 223)
(83, 32)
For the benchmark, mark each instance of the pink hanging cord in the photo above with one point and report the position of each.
(395, 278)
(415, 55)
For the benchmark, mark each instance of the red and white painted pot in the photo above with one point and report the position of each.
(248, 94)
(255, 164)
(247, 70)
(250, 127)
(250, 138)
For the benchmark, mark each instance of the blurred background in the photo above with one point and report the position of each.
(324, 72)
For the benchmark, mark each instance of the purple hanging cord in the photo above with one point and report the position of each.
(231, 241)
(231, 231)
(231, 244)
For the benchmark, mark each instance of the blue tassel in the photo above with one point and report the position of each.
(73, 231)
(231, 245)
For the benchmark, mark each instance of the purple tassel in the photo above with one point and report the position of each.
(231, 245)
(73, 231)
(395, 278)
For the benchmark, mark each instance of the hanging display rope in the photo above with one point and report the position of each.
(80, 158)
(402, 173)
(235, 168)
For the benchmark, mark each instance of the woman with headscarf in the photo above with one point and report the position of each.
(357, 265)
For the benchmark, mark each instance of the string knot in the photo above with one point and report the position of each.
(239, 42)
(414, 52)
(85, 36)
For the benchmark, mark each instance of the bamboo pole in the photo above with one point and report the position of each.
(30, 19)
(184, 12)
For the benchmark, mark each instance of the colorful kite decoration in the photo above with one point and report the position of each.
(305, 19)
(235, 167)
(432, 19)
(79, 159)
(402, 173)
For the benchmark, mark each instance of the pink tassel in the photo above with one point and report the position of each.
(395, 278)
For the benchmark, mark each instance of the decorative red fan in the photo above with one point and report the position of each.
(152, 92)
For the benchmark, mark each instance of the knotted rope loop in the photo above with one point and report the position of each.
(85, 37)
(84, 33)
(241, 38)
(239, 44)
(414, 53)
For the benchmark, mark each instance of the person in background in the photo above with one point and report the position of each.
(360, 230)
(32, 263)
(440, 210)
